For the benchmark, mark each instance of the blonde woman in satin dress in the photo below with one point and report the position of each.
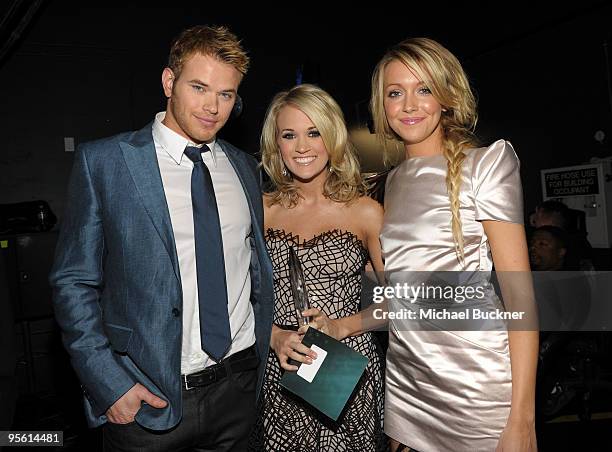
(450, 206)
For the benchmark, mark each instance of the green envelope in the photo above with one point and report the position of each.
(335, 380)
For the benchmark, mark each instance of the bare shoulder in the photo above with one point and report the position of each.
(268, 208)
(273, 212)
(368, 219)
(368, 208)
(267, 200)
(366, 215)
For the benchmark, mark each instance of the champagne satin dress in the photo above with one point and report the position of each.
(448, 390)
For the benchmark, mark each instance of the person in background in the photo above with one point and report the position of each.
(564, 301)
(551, 213)
(564, 304)
(557, 214)
(549, 250)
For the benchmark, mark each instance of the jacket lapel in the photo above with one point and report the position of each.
(141, 160)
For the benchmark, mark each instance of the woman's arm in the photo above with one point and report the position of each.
(510, 257)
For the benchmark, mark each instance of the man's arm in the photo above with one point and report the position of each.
(77, 280)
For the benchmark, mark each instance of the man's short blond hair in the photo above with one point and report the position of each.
(214, 40)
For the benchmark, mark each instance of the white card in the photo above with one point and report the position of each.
(309, 371)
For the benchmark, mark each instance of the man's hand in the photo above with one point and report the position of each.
(126, 407)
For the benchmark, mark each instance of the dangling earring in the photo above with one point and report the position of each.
(284, 171)
(331, 170)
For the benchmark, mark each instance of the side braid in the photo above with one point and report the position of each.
(455, 142)
(454, 158)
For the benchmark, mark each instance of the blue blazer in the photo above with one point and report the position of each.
(117, 287)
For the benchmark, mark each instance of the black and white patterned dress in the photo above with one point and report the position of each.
(332, 264)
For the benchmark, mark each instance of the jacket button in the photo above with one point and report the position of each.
(176, 312)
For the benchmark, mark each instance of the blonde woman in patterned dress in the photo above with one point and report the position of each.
(317, 206)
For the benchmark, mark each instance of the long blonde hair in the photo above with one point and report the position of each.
(344, 182)
(442, 73)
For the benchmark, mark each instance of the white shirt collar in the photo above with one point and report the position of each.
(175, 144)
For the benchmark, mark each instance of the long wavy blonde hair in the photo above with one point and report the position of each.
(344, 182)
(442, 73)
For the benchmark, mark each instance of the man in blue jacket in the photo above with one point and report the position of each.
(162, 283)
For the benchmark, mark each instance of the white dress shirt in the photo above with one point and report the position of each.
(235, 219)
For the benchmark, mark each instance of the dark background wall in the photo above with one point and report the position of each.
(91, 69)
